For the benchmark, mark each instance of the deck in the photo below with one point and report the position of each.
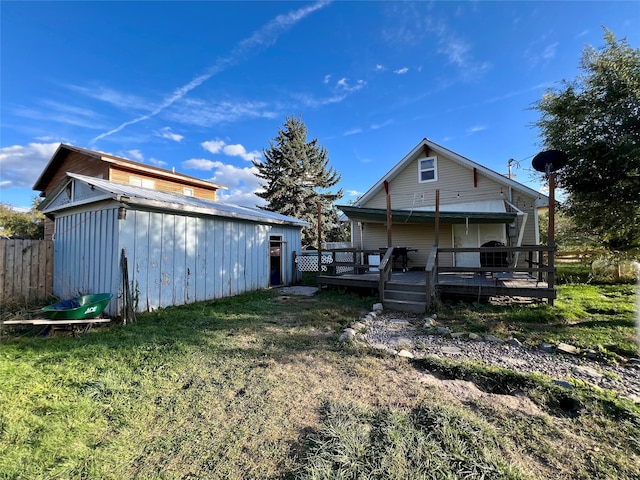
(534, 278)
(455, 284)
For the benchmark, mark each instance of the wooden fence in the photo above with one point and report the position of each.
(26, 270)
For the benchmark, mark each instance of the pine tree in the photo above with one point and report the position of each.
(298, 177)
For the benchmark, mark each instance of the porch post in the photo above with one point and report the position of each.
(437, 219)
(551, 276)
(386, 189)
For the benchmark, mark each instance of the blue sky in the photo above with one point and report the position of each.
(203, 86)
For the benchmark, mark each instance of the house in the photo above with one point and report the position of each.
(179, 248)
(68, 158)
(477, 206)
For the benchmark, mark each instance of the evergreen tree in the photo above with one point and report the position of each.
(298, 177)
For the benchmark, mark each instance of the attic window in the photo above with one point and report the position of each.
(142, 182)
(427, 169)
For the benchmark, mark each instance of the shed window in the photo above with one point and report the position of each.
(187, 191)
(427, 169)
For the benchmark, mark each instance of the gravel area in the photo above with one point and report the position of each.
(405, 335)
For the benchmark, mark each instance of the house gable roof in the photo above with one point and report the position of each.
(63, 150)
(439, 149)
(96, 189)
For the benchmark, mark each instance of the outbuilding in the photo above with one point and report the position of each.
(178, 249)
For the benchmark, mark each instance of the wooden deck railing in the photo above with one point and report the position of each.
(386, 268)
(534, 260)
(533, 266)
(541, 265)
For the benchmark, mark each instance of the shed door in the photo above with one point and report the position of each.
(275, 260)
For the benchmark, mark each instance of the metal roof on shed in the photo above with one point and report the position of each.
(155, 199)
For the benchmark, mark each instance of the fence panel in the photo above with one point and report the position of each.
(26, 270)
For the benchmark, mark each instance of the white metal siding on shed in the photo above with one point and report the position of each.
(179, 250)
(175, 260)
(86, 254)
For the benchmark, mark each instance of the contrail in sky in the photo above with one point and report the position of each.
(262, 38)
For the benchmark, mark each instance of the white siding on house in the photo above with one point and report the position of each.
(457, 184)
(420, 237)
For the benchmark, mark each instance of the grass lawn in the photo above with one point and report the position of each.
(257, 386)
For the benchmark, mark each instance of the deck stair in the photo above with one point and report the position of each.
(405, 297)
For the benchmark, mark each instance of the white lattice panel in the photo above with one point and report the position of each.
(309, 263)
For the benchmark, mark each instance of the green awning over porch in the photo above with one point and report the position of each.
(379, 215)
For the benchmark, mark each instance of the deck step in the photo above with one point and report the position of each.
(405, 297)
(393, 294)
(405, 306)
(406, 287)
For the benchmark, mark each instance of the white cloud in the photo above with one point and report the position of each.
(476, 129)
(213, 146)
(344, 84)
(21, 165)
(240, 196)
(112, 97)
(206, 113)
(242, 184)
(353, 131)
(199, 164)
(380, 68)
(550, 51)
(415, 23)
(237, 150)
(327, 79)
(53, 111)
(376, 126)
(166, 132)
(353, 193)
(540, 51)
(135, 155)
(312, 102)
(157, 163)
(401, 71)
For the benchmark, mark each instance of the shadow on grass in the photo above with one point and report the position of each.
(215, 326)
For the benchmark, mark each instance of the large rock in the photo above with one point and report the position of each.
(443, 331)
(405, 354)
(451, 350)
(377, 307)
(349, 335)
(587, 371)
(566, 348)
(492, 339)
(400, 342)
(358, 326)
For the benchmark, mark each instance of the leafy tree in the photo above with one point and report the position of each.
(568, 234)
(21, 224)
(595, 119)
(298, 177)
